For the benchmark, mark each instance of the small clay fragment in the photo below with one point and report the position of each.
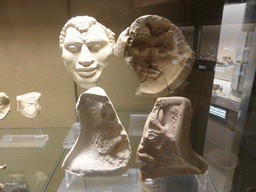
(4, 105)
(28, 104)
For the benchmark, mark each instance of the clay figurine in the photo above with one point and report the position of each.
(28, 104)
(165, 147)
(102, 148)
(158, 53)
(85, 45)
(4, 105)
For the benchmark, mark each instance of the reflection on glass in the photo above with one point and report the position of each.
(231, 58)
(209, 42)
(188, 33)
(228, 118)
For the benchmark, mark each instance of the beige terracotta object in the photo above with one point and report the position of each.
(28, 104)
(165, 147)
(2, 185)
(4, 105)
(3, 166)
(158, 53)
(102, 148)
(86, 45)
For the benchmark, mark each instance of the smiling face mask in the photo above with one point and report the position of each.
(85, 44)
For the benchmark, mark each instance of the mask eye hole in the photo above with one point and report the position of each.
(162, 53)
(141, 46)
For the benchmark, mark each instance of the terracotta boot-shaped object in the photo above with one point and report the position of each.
(165, 147)
(102, 148)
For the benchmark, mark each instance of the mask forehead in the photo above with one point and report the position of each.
(143, 33)
(95, 32)
(72, 35)
(30, 96)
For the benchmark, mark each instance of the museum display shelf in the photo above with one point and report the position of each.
(31, 167)
(71, 136)
(23, 140)
(131, 179)
(39, 169)
(227, 92)
(130, 182)
(225, 102)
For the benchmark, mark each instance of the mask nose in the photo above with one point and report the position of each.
(85, 57)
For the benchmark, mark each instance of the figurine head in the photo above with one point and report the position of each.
(85, 45)
(157, 52)
(4, 105)
(28, 104)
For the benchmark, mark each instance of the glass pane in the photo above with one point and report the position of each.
(230, 120)
(209, 42)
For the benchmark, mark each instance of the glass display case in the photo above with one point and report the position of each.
(221, 87)
(31, 168)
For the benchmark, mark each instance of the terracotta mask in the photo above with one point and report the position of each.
(102, 148)
(4, 105)
(85, 45)
(165, 147)
(158, 53)
(28, 104)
